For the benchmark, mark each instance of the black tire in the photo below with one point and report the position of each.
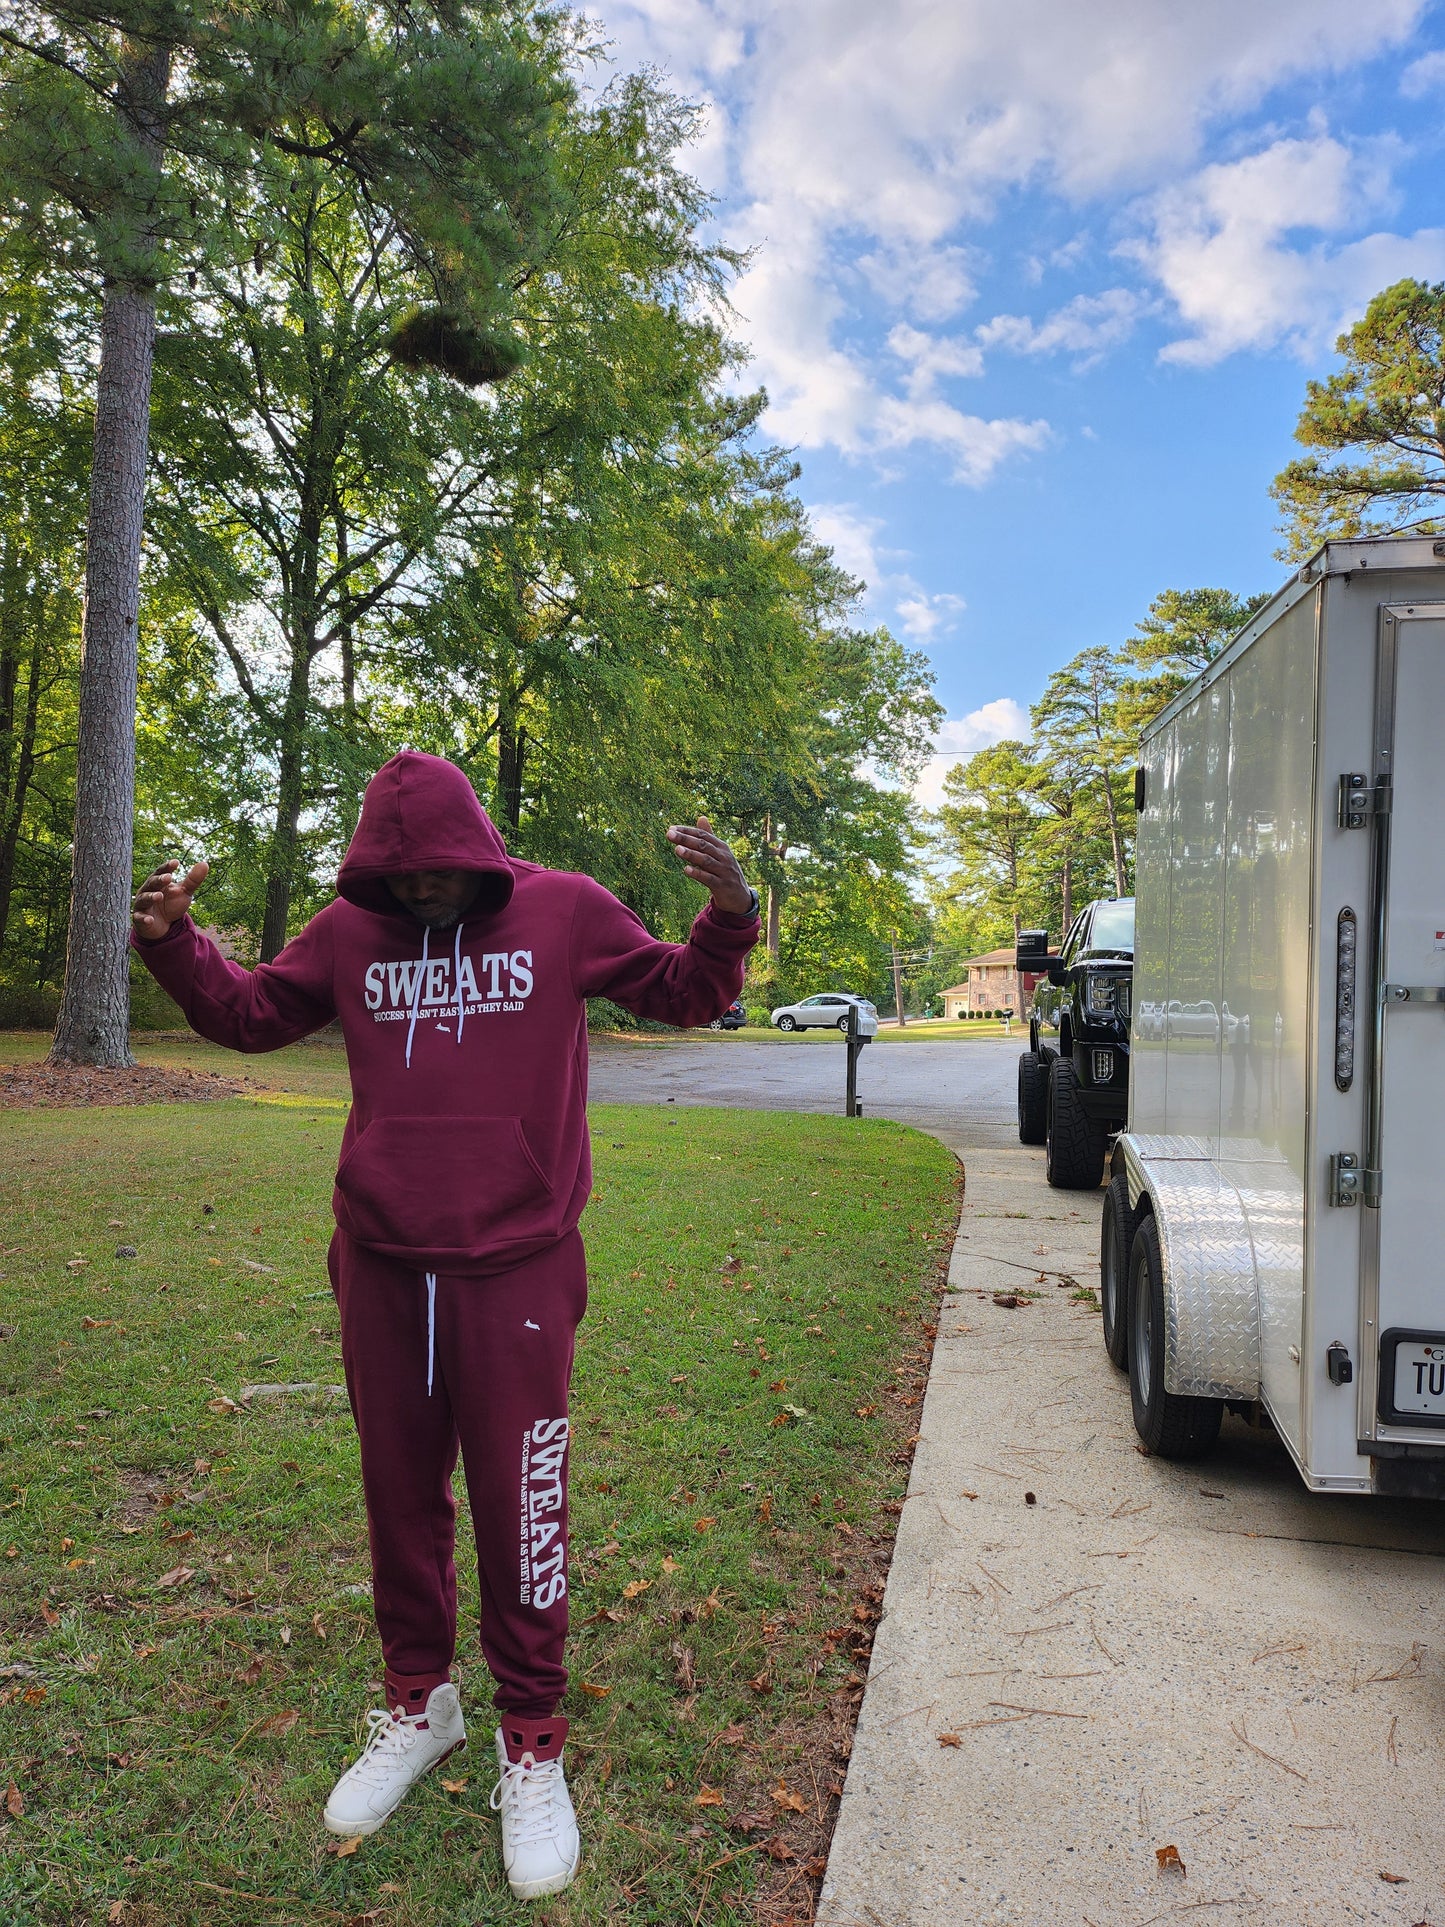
(843, 1025)
(717, 1024)
(1116, 1235)
(1075, 1142)
(1033, 1098)
(1171, 1427)
(787, 1023)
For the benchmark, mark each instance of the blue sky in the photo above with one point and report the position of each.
(1038, 283)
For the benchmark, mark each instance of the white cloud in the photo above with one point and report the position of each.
(1085, 326)
(862, 139)
(1227, 247)
(931, 357)
(853, 539)
(1423, 76)
(963, 736)
(922, 616)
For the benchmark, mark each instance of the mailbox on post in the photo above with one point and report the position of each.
(852, 1106)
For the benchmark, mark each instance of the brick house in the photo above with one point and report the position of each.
(991, 982)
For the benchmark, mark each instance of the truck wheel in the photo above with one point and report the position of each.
(1116, 1232)
(1075, 1143)
(1033, 1098)
(1171, 1427)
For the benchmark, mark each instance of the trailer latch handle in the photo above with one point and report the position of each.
(1415, 993)
(1338, 1365)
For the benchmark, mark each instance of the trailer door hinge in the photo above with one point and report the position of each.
(1344, 1178)
(1360, 800)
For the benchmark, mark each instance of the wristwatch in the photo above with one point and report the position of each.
(754, 909)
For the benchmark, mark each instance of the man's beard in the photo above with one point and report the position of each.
(439, 919)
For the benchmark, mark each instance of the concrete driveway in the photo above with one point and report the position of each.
(962, 1092)
(1106, 1691)
(1089, 1658)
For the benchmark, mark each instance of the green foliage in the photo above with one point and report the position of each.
(1386, 408)
(1031, 832)
(592, 586)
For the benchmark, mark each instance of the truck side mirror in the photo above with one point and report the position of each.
(1056, 971)
(1032, 952)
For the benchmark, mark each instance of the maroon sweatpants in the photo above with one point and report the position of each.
(498, 1353)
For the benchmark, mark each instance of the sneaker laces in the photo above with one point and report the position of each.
(524, 1797)
(392, 1736)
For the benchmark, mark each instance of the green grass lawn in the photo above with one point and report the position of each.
(186, 1647)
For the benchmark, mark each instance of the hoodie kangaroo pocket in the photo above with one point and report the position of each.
(458, 1184)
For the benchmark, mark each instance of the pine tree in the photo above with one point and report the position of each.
(119, 128)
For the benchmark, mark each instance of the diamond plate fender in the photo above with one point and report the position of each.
(1211, 1283)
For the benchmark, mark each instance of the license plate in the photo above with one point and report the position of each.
(1420, 1378)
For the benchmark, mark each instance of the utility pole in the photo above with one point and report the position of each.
(897, 984)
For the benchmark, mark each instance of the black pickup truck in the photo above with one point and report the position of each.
(1074, 1076)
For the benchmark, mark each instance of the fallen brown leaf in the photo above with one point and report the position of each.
(634, 1587)
(1395, 1879)
(177, 1576)
(778, 1849)
(454, 1786)
(279, 1723)
(703, 1525)
(949, 1739)
(1169, 1861)
(14, 1802)
(708, 1797)
(784, 1796)
(594, 1692)
(343, 1849)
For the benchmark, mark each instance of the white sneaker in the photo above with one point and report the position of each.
(401, 1747)
(540, 1847)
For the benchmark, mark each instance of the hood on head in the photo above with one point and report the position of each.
(421, 813)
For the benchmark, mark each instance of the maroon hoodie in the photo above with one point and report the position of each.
(466, 1149)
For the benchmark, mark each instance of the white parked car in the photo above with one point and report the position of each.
(830, 1012)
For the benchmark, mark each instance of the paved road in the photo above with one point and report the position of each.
(963, 1092)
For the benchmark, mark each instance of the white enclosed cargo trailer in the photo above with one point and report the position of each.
(1274, 1227)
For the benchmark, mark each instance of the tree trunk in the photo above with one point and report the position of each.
(290, 799)
(775, 920)
(15, 791)
(1066, 891)
(1115, 837)
(511, 762)
(94, 1022)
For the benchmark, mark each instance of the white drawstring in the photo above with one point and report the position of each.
(416, 991)
(431, 1327)
(457, 980)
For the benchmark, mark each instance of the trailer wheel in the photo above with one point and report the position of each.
(1033, 1098)
(1116, 1235)
(1075, 1143)
(1170, 1426)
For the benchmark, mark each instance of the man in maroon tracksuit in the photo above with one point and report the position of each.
(460, 977)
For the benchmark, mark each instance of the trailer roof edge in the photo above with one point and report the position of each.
(1331, 558)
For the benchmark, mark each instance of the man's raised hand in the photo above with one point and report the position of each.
(708, 861)
(164, 898)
